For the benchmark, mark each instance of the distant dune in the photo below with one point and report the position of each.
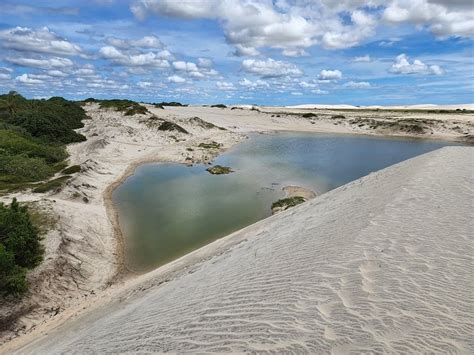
(383, 264)
(406, 107)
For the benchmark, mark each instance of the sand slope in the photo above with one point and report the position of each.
(383, 264)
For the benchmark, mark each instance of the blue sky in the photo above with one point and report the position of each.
(278, 52)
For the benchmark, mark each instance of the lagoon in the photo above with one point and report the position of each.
(167, 210)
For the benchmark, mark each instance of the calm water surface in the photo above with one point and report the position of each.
(167, 210)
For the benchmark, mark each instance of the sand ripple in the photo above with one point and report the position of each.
(382, 265)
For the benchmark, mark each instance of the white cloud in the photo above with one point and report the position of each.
(26, 79)
(253, 84)
(270, 68)
(358, 85)
(56, 73)
(305, 84)
(223, 85)
(4, 76)
(51, 63)
(294, 52)
(402, 65)
(243, 51)
(144, 84)
(330, 75)
(363, 59)
(39, 41)
(204, 63)
(176, 79)
(319, 91)
(252, 24)
(185, 66)
(149, 59)
(151, 42)
(443, 17)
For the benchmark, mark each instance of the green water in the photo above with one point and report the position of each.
(167, 210)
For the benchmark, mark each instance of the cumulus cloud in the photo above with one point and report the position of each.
(294, 52)
(26, 79)
(330, 75)
(362, 59)
(151, 42)
(50, 63)
(443, 17)
(205, 63)
(144, 84)
(253, 84)
(40, 41)
(305, 84)
(226, 86)
(185, 66)
(244, 51)
(290, 26)
(270, 68)
(149, 59)
(358, 85)
(402, 65)
(176, 79)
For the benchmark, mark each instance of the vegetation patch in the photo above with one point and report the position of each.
(219, 170)
(219, 106)
(170, 126)
(285, 203)
(172, 103)
(71, 169)
(52, 185)
(211, 145)
(309, 115)
(20, 248)
(33, 134)
(129, 107)
(204, 124)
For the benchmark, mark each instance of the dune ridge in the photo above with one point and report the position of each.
(382, 264)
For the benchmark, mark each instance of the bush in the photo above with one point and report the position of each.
(20, 248)
(71, 169)
(32, 137)
(129, 107)
(172, 103)
(55, 184)
(170, 126)
(219, 106)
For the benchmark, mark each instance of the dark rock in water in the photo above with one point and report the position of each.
(219, 170)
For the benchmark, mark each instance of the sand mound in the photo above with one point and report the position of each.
(382, 264)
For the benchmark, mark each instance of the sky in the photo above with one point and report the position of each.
(263, 52)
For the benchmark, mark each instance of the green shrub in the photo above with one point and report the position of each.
(288, 202)
(211, 145)
(170, 126)
(20, 248)
(219, 106)
(32, 137)
(71, 169)
(219, 170)
(54, 184)
(129, 107)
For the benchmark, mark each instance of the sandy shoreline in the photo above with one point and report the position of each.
(108, 162)
(333, 301)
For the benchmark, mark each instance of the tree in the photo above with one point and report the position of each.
(20, 247)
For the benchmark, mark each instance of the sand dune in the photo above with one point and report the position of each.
(399, 107)
(383, 264)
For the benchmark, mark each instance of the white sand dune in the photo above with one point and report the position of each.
(399, 107)
(383, 264)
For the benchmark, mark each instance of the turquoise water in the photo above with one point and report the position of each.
(168, 210)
